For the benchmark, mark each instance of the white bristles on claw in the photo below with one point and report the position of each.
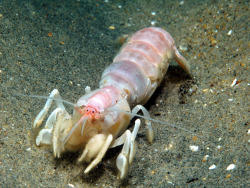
(65, 139)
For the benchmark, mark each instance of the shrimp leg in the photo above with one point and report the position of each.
(150, 132)
(40, 117)
(93, 150)
(127, 154)
(45, 135)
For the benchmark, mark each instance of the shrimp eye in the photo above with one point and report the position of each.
(93, 112)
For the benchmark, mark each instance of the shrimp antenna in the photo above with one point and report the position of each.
(45, 97)
(134, 114)
(168, 124)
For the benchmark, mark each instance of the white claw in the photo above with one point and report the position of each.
(39, 118)
(122, 165)
(44, 137)
(150, 134)
(132, 152)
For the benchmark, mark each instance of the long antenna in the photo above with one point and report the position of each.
(45, 97)
(168, 124)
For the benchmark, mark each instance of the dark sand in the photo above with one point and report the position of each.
(83, 44)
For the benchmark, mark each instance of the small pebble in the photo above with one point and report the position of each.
(205, 90)
(153, 22)
(183, 48)
(229, 32)
(231, 167)
(204, 159)
(218, 147)
(212, 167)
(181, 2)
(233, 83)
(111, 27)
(194, 148)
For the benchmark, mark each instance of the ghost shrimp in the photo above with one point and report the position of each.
(101, 117)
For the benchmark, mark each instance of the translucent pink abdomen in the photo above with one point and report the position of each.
(141, 64)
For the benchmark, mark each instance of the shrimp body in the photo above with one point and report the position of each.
(101, 117)
(141, 64)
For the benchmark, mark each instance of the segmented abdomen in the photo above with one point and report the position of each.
(141, 64)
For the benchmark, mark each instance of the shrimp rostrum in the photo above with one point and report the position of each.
(101, 117)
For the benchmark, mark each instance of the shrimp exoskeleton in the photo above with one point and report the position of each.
(101, 117)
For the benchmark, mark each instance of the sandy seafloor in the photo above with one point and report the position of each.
(212, 35)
